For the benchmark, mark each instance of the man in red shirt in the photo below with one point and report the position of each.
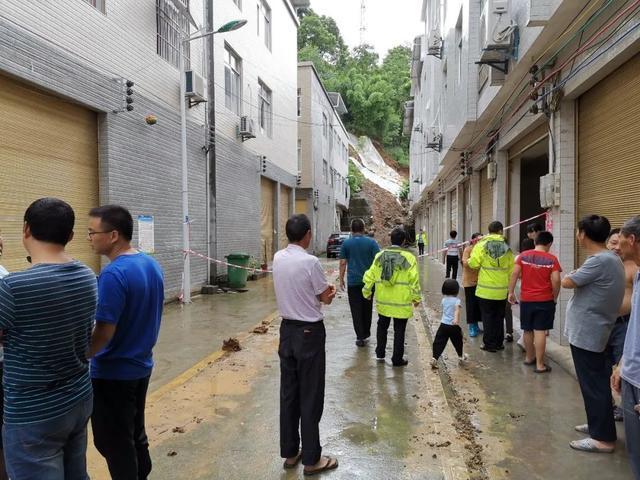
(539, 288)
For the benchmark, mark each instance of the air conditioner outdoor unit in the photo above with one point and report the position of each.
(434, 43)
(549, 190)
(195, 86)
(496, 30)
(246, 130)
(434, 138)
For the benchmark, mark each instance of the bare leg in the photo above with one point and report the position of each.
(530, 354)
(540, 340)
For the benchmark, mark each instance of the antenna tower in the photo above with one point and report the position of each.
(363, 25)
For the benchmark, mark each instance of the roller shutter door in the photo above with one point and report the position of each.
(454, 210)
(608, 146)
(267, 219)
(48, 147)
(486, 201)
(285, 205)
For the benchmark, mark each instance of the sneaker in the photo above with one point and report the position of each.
(402, 363)
(379, 359)
(487, 349)
(434, 364)
(360, 343)
(509, 337)
(463, 358)
(473, 330)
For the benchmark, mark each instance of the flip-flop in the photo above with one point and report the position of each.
(528, 364)
(546, 369)
(584, 428)
(289, 466)
(589, 445)
(332, 464)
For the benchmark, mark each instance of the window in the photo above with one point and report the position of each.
(299, 101)
(325, 171)
(299, 155)
(324, 125)
(98, 4)
(172, 25)
(238, 3)
(333, 175)
(232, 82)
(264, 18)
(459, 46)
(265, 112)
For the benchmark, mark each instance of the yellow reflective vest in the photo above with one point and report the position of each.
(422, 238)
(394, 273)
(494, 259)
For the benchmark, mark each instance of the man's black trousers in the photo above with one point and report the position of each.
(473, 307)
(361, 312)
(492, 312)
(443, 335)
(452, 266)
(399, 329)
(118, 427)
(302, 372)
(420, 248)
(594, 372)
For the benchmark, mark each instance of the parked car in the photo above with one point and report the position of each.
(335, 243)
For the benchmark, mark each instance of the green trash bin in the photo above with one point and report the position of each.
(238, 276)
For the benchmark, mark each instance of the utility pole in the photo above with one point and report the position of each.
(363, 25)
(212, 271)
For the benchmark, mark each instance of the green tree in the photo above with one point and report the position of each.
(319, 41)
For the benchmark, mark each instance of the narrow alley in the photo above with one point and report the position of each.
(214, 414)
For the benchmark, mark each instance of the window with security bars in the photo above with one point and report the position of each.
(265, 109)
(172, 26)
(232, 81)
(98, 4)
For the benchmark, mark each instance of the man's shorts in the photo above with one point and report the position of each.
(537, 315)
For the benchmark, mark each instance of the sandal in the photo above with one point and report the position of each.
(331, 464)
(546, 369)
(528, 364)
(288, 466)
(589, 445)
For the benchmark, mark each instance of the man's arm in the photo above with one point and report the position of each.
(343, 269)
(102, 334)
(587, 273)
(414, 282)
(517, 271)
(567, 282)
(475, 258)
(615, 378)
(466, 253)
(555, 284)
(369, 279)
(328, 295)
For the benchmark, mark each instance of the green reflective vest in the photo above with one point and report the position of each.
(394, 273)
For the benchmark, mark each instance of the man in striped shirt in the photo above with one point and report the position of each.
(46, 313)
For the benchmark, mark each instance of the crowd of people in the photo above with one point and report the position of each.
(602, 322)
(77, 348)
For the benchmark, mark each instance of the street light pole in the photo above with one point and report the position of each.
(186, 240)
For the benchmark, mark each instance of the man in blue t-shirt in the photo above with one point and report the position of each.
(356, 256)
(46, 314)
(130, 300)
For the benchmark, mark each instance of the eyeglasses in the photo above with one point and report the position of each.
(91, 234)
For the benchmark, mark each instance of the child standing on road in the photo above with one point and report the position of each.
(449, 328)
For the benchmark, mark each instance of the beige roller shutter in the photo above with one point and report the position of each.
(301, 206)
(267, 219)
(454, 210)
(486, 201)
(608, 146)
(285, 205)
(48, 147)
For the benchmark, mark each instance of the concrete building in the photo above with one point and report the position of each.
(65, 129)
(323, 158)
(512, 95)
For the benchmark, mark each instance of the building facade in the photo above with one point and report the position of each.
(66, 131)
(323, 158)
(523, 108)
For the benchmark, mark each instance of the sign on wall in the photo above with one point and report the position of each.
(145, 234)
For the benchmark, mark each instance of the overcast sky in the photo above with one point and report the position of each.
(389, 22)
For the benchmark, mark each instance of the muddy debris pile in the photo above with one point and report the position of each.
(231, 345)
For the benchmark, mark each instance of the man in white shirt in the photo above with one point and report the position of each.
(301, 286)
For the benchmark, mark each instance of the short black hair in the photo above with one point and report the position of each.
(453, 234)
(450, 287)
(475, 235)
(496, 227)
(398, 236)
(614, 231)
(50, 220)
(544, 238)
(115, 217)
(357, 225)
(297, 227)
(534, 227)
(595, 227)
